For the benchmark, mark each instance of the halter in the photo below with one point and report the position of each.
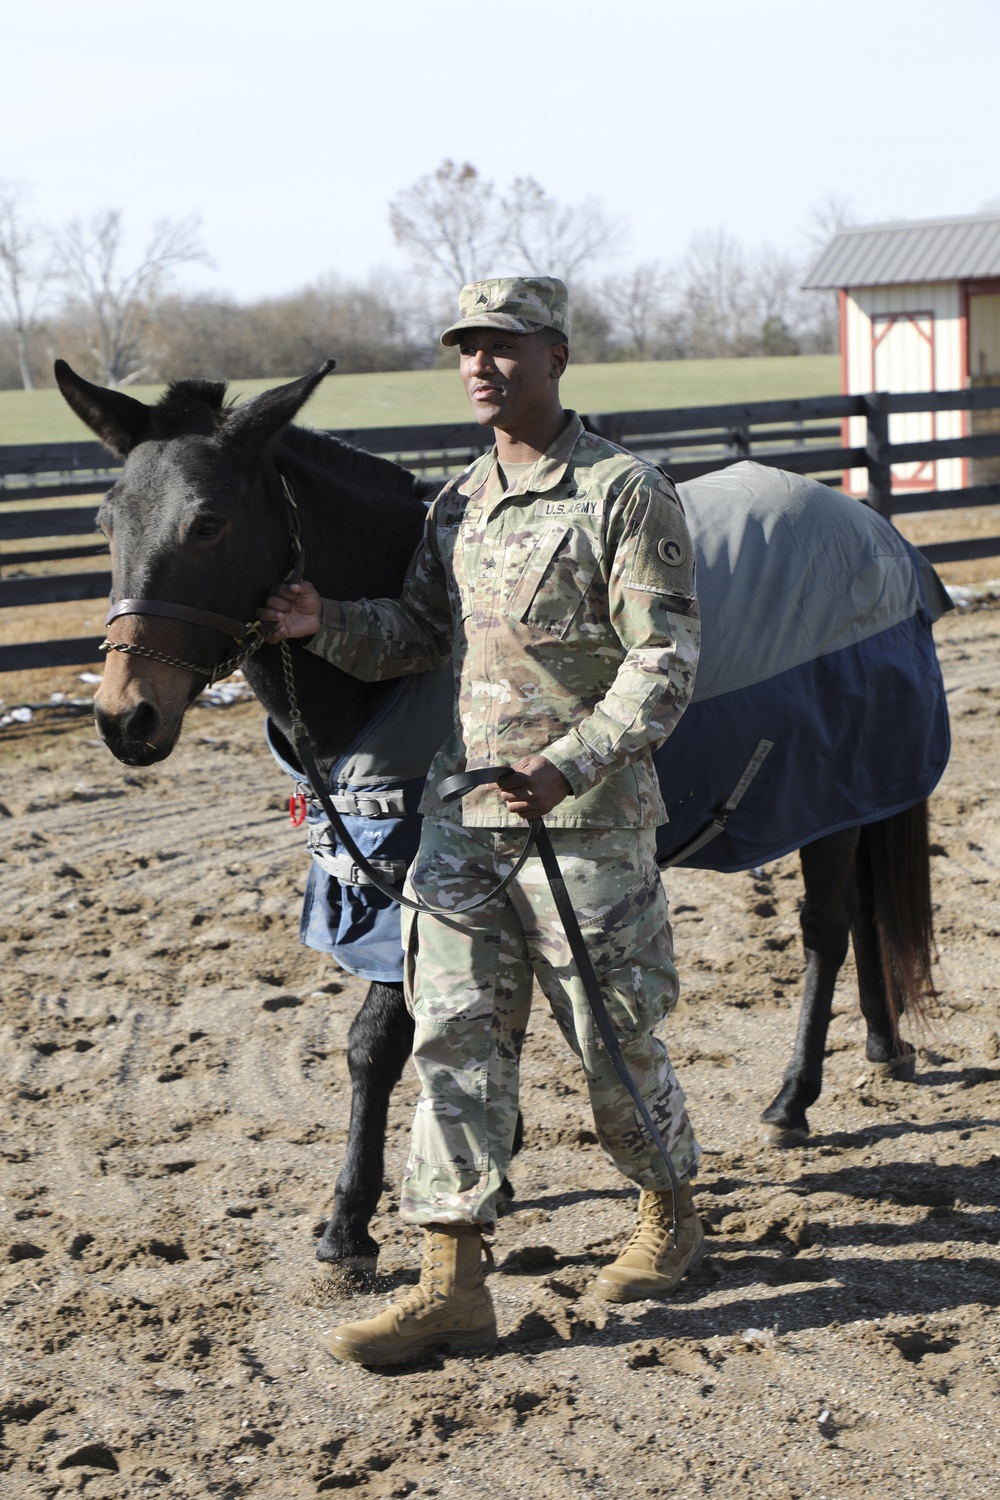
(249, 636)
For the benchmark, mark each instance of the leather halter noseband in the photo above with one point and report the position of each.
(249, 635)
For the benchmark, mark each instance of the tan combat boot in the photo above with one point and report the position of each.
(651, 1264)
(448, 1309)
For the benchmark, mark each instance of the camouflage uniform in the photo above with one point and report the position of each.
(567, 605)
(469, 981)
(566, 602)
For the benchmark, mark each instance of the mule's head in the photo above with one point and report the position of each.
(196, 519)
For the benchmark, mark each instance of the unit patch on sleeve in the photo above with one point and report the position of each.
(663, 562)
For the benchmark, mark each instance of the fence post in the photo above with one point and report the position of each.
(603, 424)
(876, 446)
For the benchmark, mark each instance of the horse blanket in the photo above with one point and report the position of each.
(816, 637)
(816, 619)
(376, 787)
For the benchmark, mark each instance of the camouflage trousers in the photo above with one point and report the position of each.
(469, 983)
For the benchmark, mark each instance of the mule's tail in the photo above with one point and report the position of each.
(894, 871)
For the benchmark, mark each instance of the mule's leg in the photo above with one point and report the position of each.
(884, 1046)
(378, 1044)
(831, 899)
(506, 1194)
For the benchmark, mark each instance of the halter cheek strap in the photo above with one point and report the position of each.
(249, 635)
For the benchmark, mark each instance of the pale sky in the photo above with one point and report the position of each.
(288, 126)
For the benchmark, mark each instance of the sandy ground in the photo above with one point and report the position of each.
(175, 1099)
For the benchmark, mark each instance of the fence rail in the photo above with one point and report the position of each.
(793, 434)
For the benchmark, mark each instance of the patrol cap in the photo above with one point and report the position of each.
(518, 304)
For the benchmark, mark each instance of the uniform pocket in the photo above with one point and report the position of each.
(625, 928)
(638, 993)
(554, 580)
(631, 948)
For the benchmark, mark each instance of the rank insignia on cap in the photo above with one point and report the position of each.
(515, 304)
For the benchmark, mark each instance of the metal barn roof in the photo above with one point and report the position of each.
(910, 251)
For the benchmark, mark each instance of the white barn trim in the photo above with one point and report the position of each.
(919, 311)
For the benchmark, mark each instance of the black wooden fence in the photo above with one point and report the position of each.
(800, 435)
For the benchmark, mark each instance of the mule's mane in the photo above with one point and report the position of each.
(202, 406)
(352, 465)
(186, 403)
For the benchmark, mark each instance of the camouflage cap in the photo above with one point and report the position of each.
(519, 304)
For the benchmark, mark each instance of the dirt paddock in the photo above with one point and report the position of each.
(175, 1100)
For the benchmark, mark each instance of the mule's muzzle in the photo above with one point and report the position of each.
(134, 735)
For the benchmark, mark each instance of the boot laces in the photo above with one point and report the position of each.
(428, 1289)
(651, 1235)
(419, 1298)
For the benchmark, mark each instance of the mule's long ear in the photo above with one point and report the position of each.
(250, 425)
(119, 420)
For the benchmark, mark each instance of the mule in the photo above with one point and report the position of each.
(199, 519)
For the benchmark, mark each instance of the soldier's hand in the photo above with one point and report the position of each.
(294, 610)
(536, 789)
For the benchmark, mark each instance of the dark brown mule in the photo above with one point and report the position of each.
(199, 518)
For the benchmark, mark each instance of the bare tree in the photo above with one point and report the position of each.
(448, 222)
(549, 237)
(775, 279)
(24, 276)
(819, 316)
(638, 302)
(717, 297)
(118, 305)
(455, 226)
(827, 217)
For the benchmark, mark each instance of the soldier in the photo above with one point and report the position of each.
(558, 574)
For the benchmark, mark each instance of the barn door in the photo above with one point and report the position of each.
(903, 360)
(984, 369)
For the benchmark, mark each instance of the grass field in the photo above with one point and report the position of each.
(419, 396)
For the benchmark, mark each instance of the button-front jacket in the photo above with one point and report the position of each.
(567, 603)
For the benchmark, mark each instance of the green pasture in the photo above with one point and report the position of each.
(412, 397)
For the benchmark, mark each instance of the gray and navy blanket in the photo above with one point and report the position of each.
(816, 635)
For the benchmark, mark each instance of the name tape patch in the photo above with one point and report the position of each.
(566, 508)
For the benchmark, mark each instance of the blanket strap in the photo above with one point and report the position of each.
(346, 870)
(732, 802)
(389, 803)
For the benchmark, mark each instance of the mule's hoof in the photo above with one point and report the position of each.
(901, 1069)
(784, 1136)
(333, 1280)
(503, 1203)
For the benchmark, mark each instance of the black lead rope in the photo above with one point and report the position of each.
(595, 1000)
(307, 758)
(537, 836)
(457, 786)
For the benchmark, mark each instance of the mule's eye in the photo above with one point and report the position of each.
(207, 528)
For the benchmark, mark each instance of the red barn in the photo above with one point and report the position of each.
(919, 311)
